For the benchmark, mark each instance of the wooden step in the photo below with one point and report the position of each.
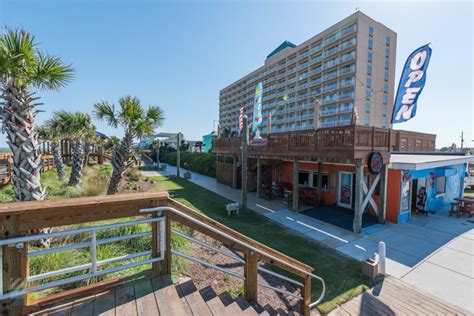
(214, 303)
(167, 298)
(196, 303)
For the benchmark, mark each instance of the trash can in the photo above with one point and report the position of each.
(370, 268)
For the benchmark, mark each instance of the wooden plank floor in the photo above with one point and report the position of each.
(150, 297)
(394, 297)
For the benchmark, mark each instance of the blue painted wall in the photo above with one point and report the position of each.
(454, 185)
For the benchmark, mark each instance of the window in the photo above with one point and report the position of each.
(384, 124)
(369, 69)
(367, 120)
(387, 52)
(367, 94)
(387, 40)
(371, 31)
(371, 43)
(385, 75)
(387, 64)
(384, 110)
(367, 106)
(385, 98)
(369, 56)
(440, 185)
(325, 182)
(369, 82)
(385, 87)
(303, 178)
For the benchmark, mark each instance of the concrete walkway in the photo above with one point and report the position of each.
(434, 253)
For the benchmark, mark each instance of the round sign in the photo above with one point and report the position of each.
(375, 163)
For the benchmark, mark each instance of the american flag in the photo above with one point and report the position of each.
(241, 119)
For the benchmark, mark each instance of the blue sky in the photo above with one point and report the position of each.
(179, 54)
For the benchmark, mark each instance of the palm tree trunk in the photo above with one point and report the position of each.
(19, 123)
(58, 159)
(120, 158)
(77, 162)
(87, 152)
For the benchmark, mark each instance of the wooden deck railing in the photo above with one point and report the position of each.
(18, 220)
(6, 162)
(346, 142)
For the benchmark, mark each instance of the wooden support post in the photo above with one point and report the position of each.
(383, 195)
(245, 140)
(319, 183)
(359, 178)
(234, 173)
(259, 178)
(306, 294)
(251, 276)
(14, 265)
(295, 185)
(178, 154)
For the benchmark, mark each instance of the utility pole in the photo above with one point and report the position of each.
(178, 154)
(245, 142)
(462, 140)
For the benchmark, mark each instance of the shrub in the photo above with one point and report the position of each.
(203, 163)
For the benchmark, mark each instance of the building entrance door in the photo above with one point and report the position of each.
(344, 198)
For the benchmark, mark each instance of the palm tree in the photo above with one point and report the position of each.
(23, 67)
(46, 133)
(75, 126)
(136, 122)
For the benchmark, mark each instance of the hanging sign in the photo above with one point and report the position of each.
(375, 163)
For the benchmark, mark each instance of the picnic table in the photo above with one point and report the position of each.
(462, 206)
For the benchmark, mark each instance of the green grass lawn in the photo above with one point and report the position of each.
(94, 182)
(342, 274)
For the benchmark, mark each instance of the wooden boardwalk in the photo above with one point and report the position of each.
(394, 297)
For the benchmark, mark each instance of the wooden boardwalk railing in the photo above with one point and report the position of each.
(18, 220)
(6, 162)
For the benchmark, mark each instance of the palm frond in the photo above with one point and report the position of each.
(51, 73)
(105, 111)
(156, 115)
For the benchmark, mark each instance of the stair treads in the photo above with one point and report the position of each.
(195, 302)
(167, 298)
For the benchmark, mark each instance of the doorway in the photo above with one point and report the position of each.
(345, 192)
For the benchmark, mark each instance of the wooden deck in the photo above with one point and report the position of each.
(394, 297)
(149, 297)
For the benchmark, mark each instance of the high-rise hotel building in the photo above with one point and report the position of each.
(341, 76)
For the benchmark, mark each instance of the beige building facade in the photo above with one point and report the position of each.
(343, 75)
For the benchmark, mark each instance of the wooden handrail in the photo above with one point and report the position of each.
(19, 219)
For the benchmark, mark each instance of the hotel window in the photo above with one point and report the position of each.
(387, 40)
(369, 82)
(385, 87)
(303, 178)
(325, 182)
(387, 52)
(384, 124)
(371, 43)
(385, 99)
(384, 109)
(369, 69)
(371, 31)
(367, 120)
(369, 56)
(440, 185)
(367, 106)
(385, 75)
(367, 94)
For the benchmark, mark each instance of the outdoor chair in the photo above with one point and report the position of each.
(454, 209)
(288, 197)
